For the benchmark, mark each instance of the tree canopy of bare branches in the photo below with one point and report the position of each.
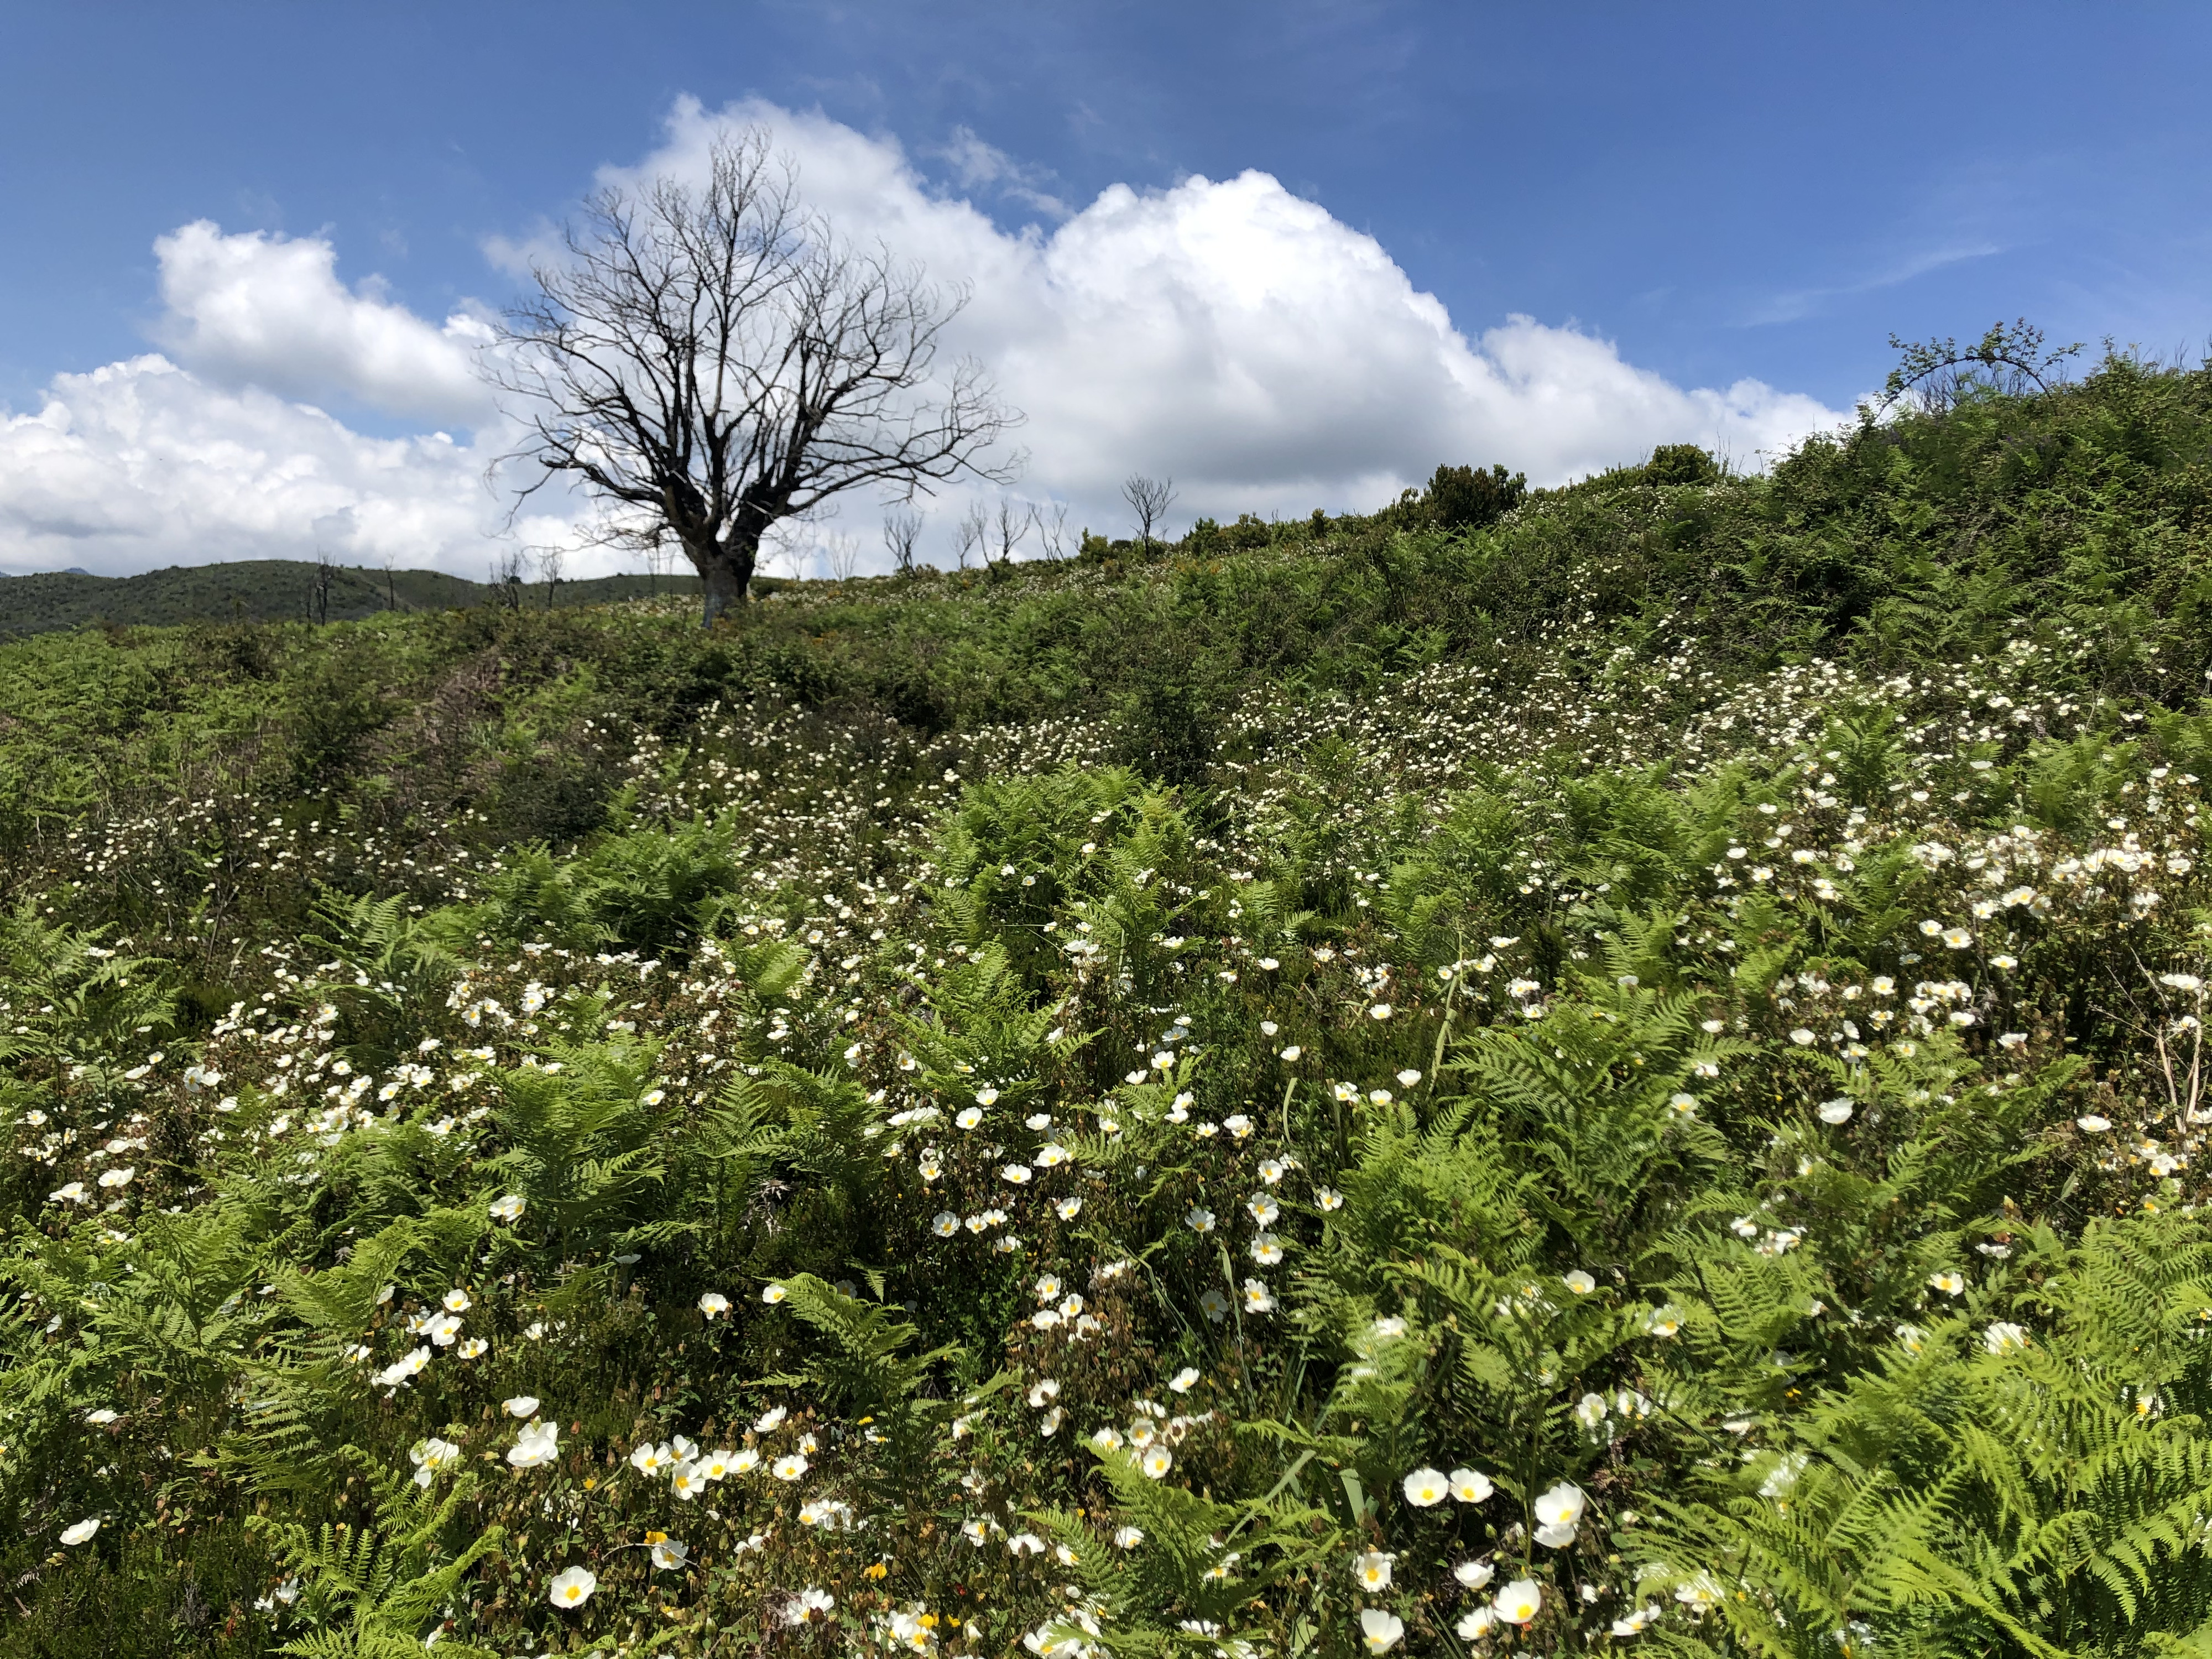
(1149, 499)
(902, 535)
(710, 361)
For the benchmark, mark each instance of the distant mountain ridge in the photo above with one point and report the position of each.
(277, 590)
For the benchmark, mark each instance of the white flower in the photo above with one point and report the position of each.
(1266, 1250)
(1409, 1077)
(444, 1330)
(2090, 1123)
(2004, 1337)
(510, 1208)
(788, 1467)
(80, 1532)
(1379, 1630)
(945, 1224)
(2182, 981)
(713, 1303)
(1426, 1486)
(1475, 1623)
(1389, 1327)
(475, 1348)
(1561, 1505)
(745, 1462)
(969, 1118)
(687, 1480)
(669, 1553)
(457, 1300)
(431, 1455)
(1469, 1488)
(1579, 1282)
(1380, 1011)
(1519, 1601)
(1128, 1538)
(1949, 1283)
(117, 1177)
(1184, 1380)
(773, 1294)
(1263, 1208)
(1292, 1053)
(1589, 1410)
(1025, 1543)
(1157, 1462)
(1257, 1298)
(650, 1459)
(1215, 1304)
(572, 1587)
(1801, 1036)
(1199, 1220)
(1664, 1322)
(1473, 1574)
(807, 1606)
(1371, 1571)
(1015, 1175)
(1328, 1198)
(1067, 1208)
(1634, 1623)
(987, 1097)
(1837, 1110)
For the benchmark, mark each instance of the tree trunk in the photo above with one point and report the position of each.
(728, 571)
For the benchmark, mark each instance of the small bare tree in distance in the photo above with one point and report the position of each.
(712, 361)
(549, 561)
(1052, 530)
(972, 534)
(902, 535)
(1011, 524)
(1149, 499)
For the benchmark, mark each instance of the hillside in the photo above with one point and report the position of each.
(1528, 1071)
(277, 590)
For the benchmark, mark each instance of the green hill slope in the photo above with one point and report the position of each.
(278, 590)
(1525, 1074)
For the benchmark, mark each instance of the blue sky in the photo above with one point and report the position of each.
(1719, 191)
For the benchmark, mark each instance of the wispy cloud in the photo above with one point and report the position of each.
(978, 165)
(1796, 304)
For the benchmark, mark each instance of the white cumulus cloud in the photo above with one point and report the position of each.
(1225, 332)
(270, 312)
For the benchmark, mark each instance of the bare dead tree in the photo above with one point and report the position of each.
(972, 534)
(326, 577)
(390, 583)
(549, 561)
(1011, 524)
(506, 579)
(902, 534)
(711, 362)
(1052, 531)
(1149, 499)
(843, 553)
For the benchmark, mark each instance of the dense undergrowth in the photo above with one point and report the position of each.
(1627, 1076)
